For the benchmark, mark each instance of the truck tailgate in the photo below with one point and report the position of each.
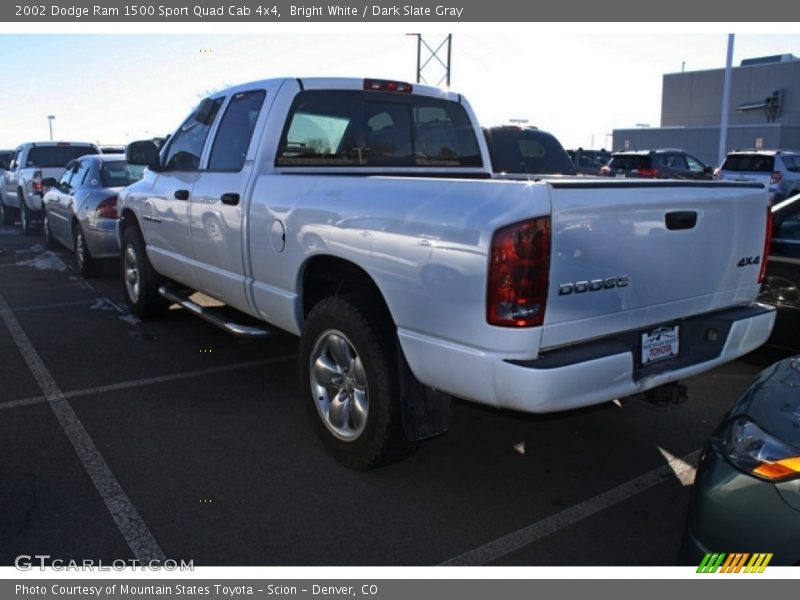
(632, 255)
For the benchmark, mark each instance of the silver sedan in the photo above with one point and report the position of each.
(80, 209)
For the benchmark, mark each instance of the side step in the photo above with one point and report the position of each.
(215, 315)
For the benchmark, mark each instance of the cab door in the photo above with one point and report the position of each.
(218, 201)
(165, 205)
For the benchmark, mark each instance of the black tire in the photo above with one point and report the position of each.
(85, 263)
(144, 300)
(368, 337)
(6, 213)
(25, 216)
(49, 241)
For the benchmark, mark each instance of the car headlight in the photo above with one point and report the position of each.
(757, 453)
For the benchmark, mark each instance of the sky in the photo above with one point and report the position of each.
(578, 85)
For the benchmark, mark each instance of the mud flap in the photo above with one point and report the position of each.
(426, 411)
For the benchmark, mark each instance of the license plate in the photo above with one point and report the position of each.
(659, 344)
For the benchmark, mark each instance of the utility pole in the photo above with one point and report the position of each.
(726, 103)
(433, 60)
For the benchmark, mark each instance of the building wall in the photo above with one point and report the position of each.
(695, 98)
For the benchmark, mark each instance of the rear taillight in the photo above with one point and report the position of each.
(519, 269)
(107, 209)
(605, 170)
(776, 177)
(37, 182)
(648, 172)
(762, 274)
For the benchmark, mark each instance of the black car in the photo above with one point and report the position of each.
(665, 164)
(782, 283)
(517, 151)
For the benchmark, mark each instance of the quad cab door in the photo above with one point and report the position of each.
(218, 204)
(165, 205)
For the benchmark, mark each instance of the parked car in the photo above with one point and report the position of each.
(80, 209)
(22, 190)
(662, 163)
(526, 151)
(589, 162)
(782, 284)
(779, 170)
(428, 279)
(746, 495)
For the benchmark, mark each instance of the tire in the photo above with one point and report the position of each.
(28, 227)
(140, 281)
(49, 241)
(85, 263)
(6, 213)
(348, 362)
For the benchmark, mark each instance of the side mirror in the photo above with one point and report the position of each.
(206, 112)
(143, 152)
(49, 182)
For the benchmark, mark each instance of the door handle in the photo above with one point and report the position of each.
(181, 194)
(423, 242)
(231, 198)
(681, 219)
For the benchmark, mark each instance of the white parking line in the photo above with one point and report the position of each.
(676, 467)
(134, 383)
(129, 522)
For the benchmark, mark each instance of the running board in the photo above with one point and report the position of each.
(214, 315)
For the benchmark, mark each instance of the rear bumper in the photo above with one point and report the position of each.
(585, 374)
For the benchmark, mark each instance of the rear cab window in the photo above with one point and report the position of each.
(56, 156)
(351, 128)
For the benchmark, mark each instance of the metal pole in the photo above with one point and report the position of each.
(726, 103)
(449, 46)
(419, 55)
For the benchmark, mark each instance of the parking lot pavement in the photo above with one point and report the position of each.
(209, 454)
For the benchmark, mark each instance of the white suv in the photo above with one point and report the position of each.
(778, 170)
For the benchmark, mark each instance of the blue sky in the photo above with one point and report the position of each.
(579, 86)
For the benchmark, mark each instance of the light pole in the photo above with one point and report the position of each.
(50, 123)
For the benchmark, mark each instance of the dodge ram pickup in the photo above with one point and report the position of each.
(361, 216)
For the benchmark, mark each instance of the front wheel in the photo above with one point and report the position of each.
(348, 361)
(140, 281)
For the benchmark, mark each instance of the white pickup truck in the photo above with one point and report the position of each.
(361, 215)
(22, 189)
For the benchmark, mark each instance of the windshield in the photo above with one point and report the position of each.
(120, 173)
(749, 162)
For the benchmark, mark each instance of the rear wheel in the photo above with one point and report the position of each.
(87, 265)
(140, 281)
(6, 213)
(28, 227)
(349, 363)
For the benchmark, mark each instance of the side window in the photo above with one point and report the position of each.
(790, 228)
(80, 175)
(792, 163)
(695, 166)
(15, 161)
(673, 161)
(69, 173)
(235, 131)
(186, 146)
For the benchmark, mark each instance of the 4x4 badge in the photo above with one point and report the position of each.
(748, 260)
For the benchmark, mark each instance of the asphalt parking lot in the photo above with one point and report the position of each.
(169, 438)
